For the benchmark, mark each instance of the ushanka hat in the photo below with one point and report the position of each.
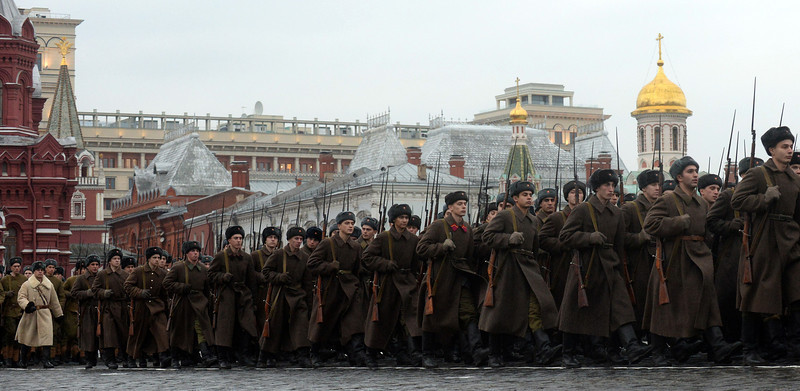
(679, 165)
(773, 136)
(398, 210)
(603, 176)
(234, 231)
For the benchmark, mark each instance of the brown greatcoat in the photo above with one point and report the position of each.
(560, 255)
(149, 314)
(288, 317)
(234, 301)
(726, 224)
(776, 248)
(260, 257)
(639, 253)
(12, 284)
(542, 256)
(87, 311)
(398, 291)
(343, 298)
(114, 310)
(449, 273)
(688, 268)
(189, 287)
(516, 276)
(601, 271)
(69, 329)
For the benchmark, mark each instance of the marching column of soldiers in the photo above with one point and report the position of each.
(683, 268)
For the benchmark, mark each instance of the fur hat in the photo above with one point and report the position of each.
(270, 231)
(233, 231)
(314, 233)
(455, 196)
(519, 187)
(795, 158)
(206, 259)
(38, 265)
(50, 262)
(544, 194)
(14, 260)
(295, 231)
(669, 184)
(370, 222)
(114, 252)
(92, 258)
(398, 210)
(127, 261)
(647, 177)
(356, 233)
(603, 176)
(59, 270)
(773, 136)
(573, 185)
(630, 197)
(344, 216)
(415, 221)
(744, 164)
(191, 245)
(152, 251)
(708, 180)
(679, 165)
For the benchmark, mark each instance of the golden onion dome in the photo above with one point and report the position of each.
(661, 96)
(518, 115)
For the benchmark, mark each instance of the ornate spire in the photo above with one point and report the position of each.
(63, 121)
(518, 115)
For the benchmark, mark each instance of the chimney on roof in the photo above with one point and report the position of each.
(240, 174)
(414, 155)
(601, 162)
(299, 181)
(457, 166)
(327, 164)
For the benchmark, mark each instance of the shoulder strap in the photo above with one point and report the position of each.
(592, 216)
(284, 261)
(446, 230)
(677, 203)
(391, 250)
(513, 219)
(333, 249)
(766, 176)
(186, 269)
(260, 259)
(638, 214)
(227, 262)
(144, 279)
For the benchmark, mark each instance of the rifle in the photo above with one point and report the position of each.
(721, 159)
(737, 156)
(591, 167)
(265, 330)
(583, 301)
(130, 314)
(488, 301)
(480, 187)
(621, 200)
(728, 167)
(98, 329)
(425, 210)
(253, 227)
(283, 213)
(297, 217)
(663, 294)
(783, 106)
(747, 270)
(375, 288)
(221, 222)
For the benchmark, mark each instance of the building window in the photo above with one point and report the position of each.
(109, 162)
(674, 138)
(558, 138)
(641, 140)
(111, 183)
(558, 101)
(5, 169)
(78, 205)
(656, 138)
(22, 168)
(107, 205)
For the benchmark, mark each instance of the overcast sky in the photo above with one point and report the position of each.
(344, 59)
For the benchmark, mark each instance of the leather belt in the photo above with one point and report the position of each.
(693, 238)
(523, 252)
(779, 217)
(344, 272)
(41, 307)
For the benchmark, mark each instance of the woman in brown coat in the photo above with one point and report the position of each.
(187, 284)
(286, 328)
(684, 303)
(336, 263)
(596, 301)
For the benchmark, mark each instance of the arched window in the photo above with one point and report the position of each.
(656, 138)
(641, 139)
(675, 138)
(78, 209)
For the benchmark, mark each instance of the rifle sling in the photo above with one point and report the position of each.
(444, 259)
(593, 217)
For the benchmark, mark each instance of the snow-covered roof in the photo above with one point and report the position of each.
(379, 147)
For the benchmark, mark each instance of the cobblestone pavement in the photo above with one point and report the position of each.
(387, 378)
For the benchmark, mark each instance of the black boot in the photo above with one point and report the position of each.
(794, 331)
(23, 356)
(224, 360)
(356, 350)
(659, 355)
(684, 348)
(399, 349)
(546, 353)
(635, 351)
(496, 351)
(262, 359)
(569, 356)
(206, 355)
(597, 350)
(370, 359)
(164, 359)
(302, 358)
(128, 361)
(176, 355)
(776, 339)
(46, 363)
(415, 349)
(109, 358)
(479, 354)
(316, 360)
(721, 351)
(142, 362)
(428, 360)
(242, 354)
(91, 359)
(750, 323)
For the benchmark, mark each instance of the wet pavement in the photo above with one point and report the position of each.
(456, 378)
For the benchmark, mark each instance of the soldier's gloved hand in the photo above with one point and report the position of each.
(107, 293)
(516, 239)
(30, 308)
(60, 319)
(449, 245)
(226, 278)
(89, 292)
(597, 238)
(145, 294)
(737, 225)
(685, 221)
(285, 278)
(335, 266)
(643, 236)
(10, 294)
(187, 288)
(391, 267)
(772, 194)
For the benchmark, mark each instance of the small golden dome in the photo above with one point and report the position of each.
(661, 96)
(518, 115)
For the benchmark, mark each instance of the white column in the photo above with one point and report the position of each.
(253, 164)
(296, 167)
(275, 164)
(338, 165)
